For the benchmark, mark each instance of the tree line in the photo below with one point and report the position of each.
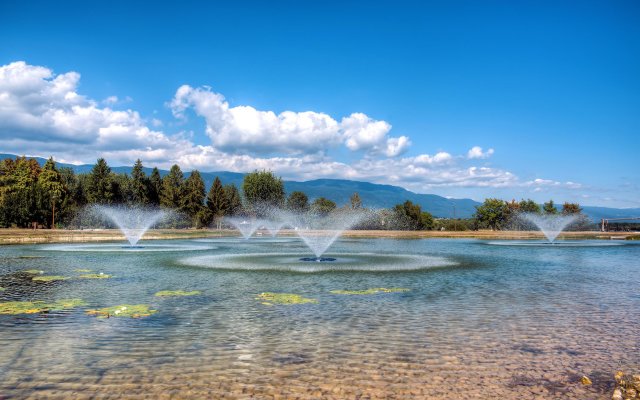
(50, 196)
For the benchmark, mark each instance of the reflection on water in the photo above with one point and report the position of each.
(498, 322)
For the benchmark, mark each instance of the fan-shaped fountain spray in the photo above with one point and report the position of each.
(133, 222)
(320, 232)
(551, 225)
(247, 226)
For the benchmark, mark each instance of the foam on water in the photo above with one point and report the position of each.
(370, 262)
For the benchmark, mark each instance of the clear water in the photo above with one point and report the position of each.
(480, 321)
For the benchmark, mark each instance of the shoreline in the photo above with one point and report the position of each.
(10, 236)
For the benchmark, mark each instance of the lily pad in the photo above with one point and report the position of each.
(171, 293)
(123, 310)
(370, 291)
(34, 307)
(270, 298)
(83, 270)
(95, 276)
(33, 271)
(49, 278)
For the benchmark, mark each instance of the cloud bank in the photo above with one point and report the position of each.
(42, 113)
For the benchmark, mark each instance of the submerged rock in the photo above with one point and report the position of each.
(270, 298)
(370, 291)
(34, 307)
(123, 310)
(172, 293)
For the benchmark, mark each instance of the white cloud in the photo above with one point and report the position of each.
(41, 113)
(244, 129)
(476, 152)
(111, 100)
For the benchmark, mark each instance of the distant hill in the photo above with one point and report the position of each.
(373, 195)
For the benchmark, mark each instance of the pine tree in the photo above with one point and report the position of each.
(171, 193)
(233, 200)
(193, 194)
(549, 207)
(298, 202)
(217, 202)
(100, 184)
(155, 187)
(139, 185)
(356, 202)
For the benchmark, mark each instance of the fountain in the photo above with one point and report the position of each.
(246, 226)
(320, 232)
(551, 225)
(133, 222)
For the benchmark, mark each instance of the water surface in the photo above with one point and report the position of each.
(479, 321)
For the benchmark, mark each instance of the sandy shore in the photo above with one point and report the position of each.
(26, 236)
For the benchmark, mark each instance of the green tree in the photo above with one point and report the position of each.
(571, 208)
(139, 184)
(234, 201)
(409, 216)
(262, 189)
(19, 193)
(549, 208)
(529, 206)
(492, 213)
(217, 201)
(171, 193)
(53, 190)
(155, 187)
(193, 195)
(322, 206)
(298, 202)
(355, 201)
(100, 184)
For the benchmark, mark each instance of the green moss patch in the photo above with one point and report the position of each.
(35, 307)
(269, 299)
(49, 278)
(172, 293)
(123, 310)
(83, 270)
(95, 276)
(370, 291)
(32, 272)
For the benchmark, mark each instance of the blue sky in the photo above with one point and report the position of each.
(396, 92)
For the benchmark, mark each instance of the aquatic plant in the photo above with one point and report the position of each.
(49, 278)
(2, 289)
(34, 307)
(30, 257)
(123, 310)
(32, 271)
(83, 270)
(270, 298)
(95, 276)
(171, 293)
(370, 291)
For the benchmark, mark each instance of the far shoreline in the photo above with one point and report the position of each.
(9, 236)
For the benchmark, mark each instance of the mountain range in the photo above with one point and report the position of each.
(373, 195)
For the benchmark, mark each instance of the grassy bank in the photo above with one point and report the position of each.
(26, 236)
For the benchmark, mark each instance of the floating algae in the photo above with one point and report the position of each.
(32, 271)
(29, 257)
(171, 293)
(370, 291)
(49, 278)
(95, 276)
(83, 270)
(34, 307)
(2, 289)
(269, 299)
(123, 310)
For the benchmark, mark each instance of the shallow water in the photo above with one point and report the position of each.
(479, 321)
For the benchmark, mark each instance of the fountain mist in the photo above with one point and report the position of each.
(551, 225)
(133, 222)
